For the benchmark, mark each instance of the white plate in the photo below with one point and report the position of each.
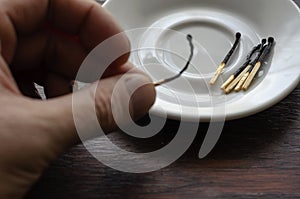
(213, 23)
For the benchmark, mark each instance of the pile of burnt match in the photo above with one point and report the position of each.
(245, 75)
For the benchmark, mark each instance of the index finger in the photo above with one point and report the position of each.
(85, 19)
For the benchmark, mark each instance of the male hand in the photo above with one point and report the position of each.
(45, 41)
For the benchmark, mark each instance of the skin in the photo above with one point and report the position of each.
(42, 43)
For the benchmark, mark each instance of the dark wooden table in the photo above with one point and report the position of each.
(256, 157)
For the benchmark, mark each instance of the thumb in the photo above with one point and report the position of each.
(96, 104)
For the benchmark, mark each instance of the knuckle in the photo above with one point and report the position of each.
(104, 109)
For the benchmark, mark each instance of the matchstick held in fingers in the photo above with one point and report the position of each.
(227, 58)
(164, 81)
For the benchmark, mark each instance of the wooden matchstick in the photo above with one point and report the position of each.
(227, 58)
(164, 81)
(244, 72)
(259, 63)
(239, 86)
(248, 60)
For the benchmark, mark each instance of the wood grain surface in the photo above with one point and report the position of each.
(256, 157)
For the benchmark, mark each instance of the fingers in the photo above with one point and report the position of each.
(69, 15)
(84, 18)
(91, 24)
(6, 79)
(50, 53)
(30, 52)
(8, 37)
(56, 85)
(60, 111)
(19, 17)
(62, 55)
(27, 16)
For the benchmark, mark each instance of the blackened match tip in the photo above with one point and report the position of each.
(264, 41)
(271, 39)
(189, 37)
(238, 35)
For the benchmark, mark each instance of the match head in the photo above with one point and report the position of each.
(264, 41)
(271, 40)
(189, 37)
(238, 35)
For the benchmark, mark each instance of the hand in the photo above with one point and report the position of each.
(45, 41)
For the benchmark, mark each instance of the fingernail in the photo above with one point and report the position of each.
(142, 94)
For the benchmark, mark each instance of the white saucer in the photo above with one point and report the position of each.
(157, 30)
